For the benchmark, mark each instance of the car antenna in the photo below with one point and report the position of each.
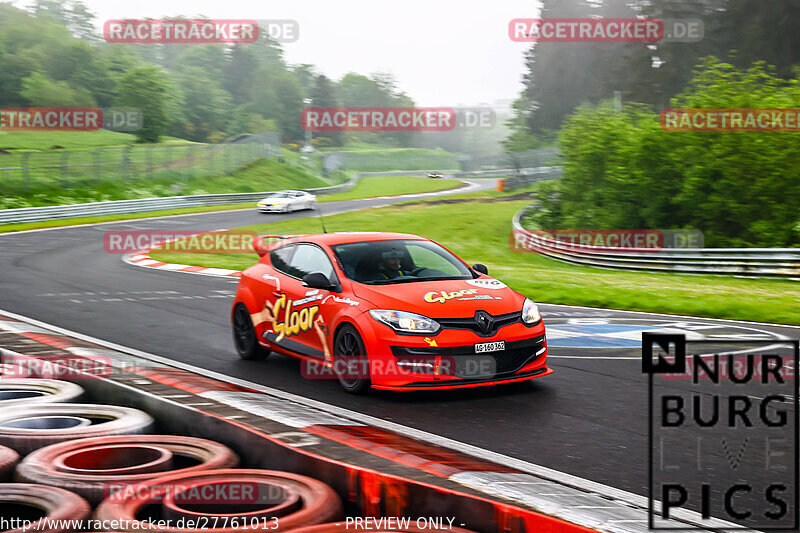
(321, 219)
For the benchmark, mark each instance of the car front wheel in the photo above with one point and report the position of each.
(350, 357)
(244, 336)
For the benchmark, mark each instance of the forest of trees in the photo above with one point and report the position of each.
(52, 54)
(560, 76)
(621, 170)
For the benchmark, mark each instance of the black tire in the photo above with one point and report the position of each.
(244, 336)
(348, 345)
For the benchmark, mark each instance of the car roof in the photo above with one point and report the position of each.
(331, 239)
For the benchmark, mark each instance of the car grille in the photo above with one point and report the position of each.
(462, 362)
(472, 325)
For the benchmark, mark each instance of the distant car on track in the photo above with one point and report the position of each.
(435, 174)
(287, 201)
(389, 311)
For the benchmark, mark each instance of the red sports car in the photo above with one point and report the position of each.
(385, 310)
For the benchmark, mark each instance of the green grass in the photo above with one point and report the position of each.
(479, 233)
(372, 186)
(261, 175)
(68, 140)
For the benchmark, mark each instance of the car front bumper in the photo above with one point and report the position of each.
(273, 208)
(449, 360)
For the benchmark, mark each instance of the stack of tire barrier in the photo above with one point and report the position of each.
(68, 458)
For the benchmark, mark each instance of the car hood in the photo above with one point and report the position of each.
(274, 200)
(444, 298)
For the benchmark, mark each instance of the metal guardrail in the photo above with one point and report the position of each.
(781, 263)
(117, 207)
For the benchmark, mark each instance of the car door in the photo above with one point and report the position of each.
(296, 201)
(310, 320)
(285, 290)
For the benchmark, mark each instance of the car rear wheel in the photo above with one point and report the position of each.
(244, 336)
(349, 349)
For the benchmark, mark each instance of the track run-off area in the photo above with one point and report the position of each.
(588, 420)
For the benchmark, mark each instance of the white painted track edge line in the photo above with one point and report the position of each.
(468, 186)
(669, 315)
(622, 496)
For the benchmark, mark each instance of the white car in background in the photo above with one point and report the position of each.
(287, 201)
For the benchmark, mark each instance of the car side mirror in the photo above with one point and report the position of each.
(317, 280)
(477, 267)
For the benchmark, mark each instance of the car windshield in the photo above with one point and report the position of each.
(398, 261)
(278, 195)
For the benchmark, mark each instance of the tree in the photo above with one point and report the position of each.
(240, 67)
(621, 170)
(206, 106)
(74, 14)
(323, 94)
(146, 88)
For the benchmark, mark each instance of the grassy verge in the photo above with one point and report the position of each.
(372, 186)
(479, 232)
(261, 175)
(256, 174)
(69, 140)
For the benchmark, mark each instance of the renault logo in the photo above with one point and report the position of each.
(484, 321)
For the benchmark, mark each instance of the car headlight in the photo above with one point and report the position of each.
(530, 312)
(403, 322)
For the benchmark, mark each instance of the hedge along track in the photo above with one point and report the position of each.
(97, 467)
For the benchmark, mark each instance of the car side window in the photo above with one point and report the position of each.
(280, 258)
(308, 259)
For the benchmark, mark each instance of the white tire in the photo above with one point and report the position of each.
(25, 392)
(26, 429)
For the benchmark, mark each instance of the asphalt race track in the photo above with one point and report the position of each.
(589, 419)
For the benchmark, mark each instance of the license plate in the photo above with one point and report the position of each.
(490, 346)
